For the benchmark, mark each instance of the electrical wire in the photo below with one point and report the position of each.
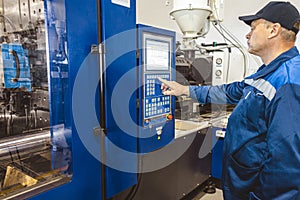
(243, 48)
(239, 46)
(228, 64)
(223, 46)
(9, 21)
(236, 44)
(20, 15)
(3, 13)
(225, 40)
(214, 6)
(231, 38)
(132, 193)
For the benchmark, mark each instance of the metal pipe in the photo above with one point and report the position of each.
(24, 142)
(102, 100)
(9, 21)
(29, 13)
(4, 28)
(20, 14)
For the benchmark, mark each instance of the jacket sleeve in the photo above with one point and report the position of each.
(221, 94)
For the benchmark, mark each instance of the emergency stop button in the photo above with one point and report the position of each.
(169, 117)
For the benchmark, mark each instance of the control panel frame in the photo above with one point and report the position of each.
(156, 127)
(157, 62)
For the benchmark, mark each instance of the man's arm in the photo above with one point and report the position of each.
(173, 88)
(222, 94)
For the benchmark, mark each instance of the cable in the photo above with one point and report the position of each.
(20, 15)
(246, 52)
(9, 21)
(132, 193)
(3, 13)
(135, 188)
(236, 44)
(228, 64)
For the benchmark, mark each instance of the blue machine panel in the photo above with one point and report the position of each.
(156, 59)
(67, 28)
(16, 66)
(152, 115)
(119, 39)
(64, 17)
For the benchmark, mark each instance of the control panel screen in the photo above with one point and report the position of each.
(157, 54)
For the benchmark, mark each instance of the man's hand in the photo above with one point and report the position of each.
(173, 88)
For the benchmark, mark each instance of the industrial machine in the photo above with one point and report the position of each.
(199, 64)
(81, 107)
(204, 64)
(205, 69)
(64, 130)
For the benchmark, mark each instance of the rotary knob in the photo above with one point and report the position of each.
(218, 73)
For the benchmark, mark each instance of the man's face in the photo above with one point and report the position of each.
(258, 37)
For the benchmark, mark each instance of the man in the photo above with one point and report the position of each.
(262, 143)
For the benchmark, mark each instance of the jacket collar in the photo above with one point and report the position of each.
(275, 64)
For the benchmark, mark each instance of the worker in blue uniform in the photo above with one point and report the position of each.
(262, 142)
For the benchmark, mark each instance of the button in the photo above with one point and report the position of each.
(169, 117)
(218, 73)
(159, 132)
(219, 61)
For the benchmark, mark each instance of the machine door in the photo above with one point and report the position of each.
(118, 35)
(35, 136)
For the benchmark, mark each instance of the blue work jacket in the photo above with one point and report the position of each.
(262, 143)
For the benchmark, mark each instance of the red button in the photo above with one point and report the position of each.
(169, 117)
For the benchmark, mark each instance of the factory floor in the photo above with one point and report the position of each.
(216, 196)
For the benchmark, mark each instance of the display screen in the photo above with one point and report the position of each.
(157, 54)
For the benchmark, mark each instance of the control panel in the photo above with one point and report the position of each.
(156, 60)
(218, 70)
(157, 107)
(157, 63)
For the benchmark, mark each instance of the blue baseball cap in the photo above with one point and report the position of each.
(280, 12)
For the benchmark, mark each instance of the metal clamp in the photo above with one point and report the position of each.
(97, 49)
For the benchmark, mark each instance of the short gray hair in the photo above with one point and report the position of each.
(289, 35)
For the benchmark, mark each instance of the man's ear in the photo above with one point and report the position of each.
(274, 30)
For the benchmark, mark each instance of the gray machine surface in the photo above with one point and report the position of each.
(178, 179)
